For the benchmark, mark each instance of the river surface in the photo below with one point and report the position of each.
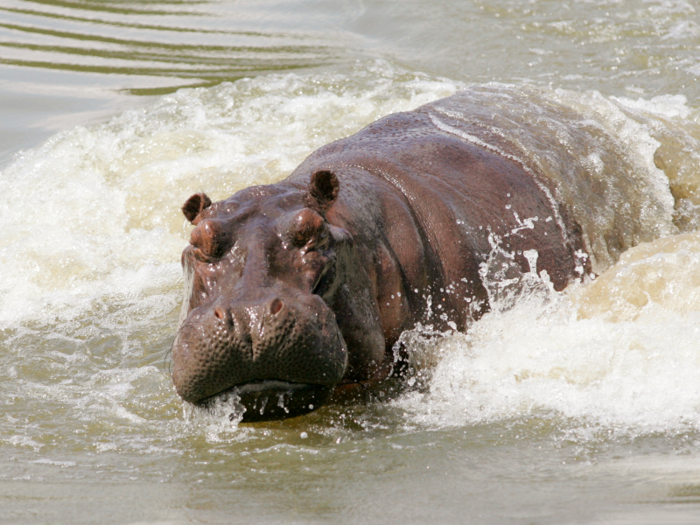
(575, 407)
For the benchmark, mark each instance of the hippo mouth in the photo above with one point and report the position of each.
(273, 400)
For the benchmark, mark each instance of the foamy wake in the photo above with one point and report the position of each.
(631, 365)
(91, 227)
(93, 215)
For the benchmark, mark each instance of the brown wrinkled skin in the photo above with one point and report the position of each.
(313, 279)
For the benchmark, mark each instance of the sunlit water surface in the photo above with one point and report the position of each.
(579, 407)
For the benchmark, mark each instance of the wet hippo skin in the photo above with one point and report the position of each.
(300, 288)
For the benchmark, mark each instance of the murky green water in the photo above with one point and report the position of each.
(581, 408)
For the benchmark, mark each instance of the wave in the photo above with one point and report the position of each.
(92, 235)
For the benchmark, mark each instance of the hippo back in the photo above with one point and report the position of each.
(480, 211)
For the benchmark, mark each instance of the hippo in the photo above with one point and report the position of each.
(299, 289)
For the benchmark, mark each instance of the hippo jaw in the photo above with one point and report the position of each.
(272, 400)
(282, 357)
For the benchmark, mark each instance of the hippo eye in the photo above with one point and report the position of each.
(211, 238)
(301, 238)
(306, 227)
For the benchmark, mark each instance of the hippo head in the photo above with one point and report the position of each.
(263, 270)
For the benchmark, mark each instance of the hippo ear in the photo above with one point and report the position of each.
(323, 190)
(194, 206)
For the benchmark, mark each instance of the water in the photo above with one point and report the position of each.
(579, 407)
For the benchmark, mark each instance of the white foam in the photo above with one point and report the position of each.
(535, 361)
(621, 352)
(94, 215)
(92, 218)
(669, 106)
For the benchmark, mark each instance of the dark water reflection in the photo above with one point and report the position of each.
(179, 41)
(609, 46)
(85, 56)
(67, 63)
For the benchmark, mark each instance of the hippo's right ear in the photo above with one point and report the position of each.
(194, 206)
(323, 190)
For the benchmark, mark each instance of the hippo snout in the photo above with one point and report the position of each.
(284, 339)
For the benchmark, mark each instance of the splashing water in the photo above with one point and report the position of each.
(93, 217)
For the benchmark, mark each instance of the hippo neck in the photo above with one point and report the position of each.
(406, 273)
(435, 211)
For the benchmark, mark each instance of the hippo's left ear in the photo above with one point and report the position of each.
(194, 206)
(323, 190)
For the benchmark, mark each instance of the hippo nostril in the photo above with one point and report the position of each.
(220, 313)
(276, 306)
